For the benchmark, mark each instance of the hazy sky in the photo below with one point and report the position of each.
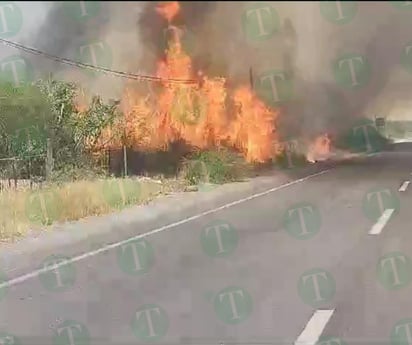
(18, 27)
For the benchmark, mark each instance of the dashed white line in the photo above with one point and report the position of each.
(39, 271)
(314, 328)
(380, 224)
(404, 186)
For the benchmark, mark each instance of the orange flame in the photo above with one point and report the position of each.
(319, 149)
(168, 9)
(81, 101)
(197, 113)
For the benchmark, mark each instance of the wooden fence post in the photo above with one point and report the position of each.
(251, 81)
(125, 160)
(49, 160)
(14, 173)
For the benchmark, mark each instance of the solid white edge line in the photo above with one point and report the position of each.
(39, 271)
(404, 186)
(314, 328)
(381, 222)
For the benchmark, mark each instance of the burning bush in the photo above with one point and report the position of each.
(205, 114)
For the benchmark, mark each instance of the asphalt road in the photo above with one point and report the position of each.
(297, 264)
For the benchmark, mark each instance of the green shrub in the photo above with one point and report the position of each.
(213, 166)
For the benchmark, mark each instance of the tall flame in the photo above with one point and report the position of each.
(197, 113)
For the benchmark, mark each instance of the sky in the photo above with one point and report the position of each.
(20, 20)
(85, 31)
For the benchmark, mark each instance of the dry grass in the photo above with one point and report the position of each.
(22, 210)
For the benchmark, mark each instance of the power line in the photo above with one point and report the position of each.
(99, 69)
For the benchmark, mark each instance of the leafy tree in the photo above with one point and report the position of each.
(23, 117)
(31, 114)
(71, 130)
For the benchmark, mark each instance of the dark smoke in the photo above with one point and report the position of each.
(152, 28)
(62, 35)
(304, 47)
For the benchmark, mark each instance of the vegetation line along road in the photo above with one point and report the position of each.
(49, 113)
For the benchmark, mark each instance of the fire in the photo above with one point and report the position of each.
(253, 128)
(200, 114)
(168, 9)
(319, 149)
(81, 101)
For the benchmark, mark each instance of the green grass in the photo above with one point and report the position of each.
(213, 166)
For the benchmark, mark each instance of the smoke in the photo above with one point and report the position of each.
(306, 46)
(134, 33)
(110, 26)
(305, 42)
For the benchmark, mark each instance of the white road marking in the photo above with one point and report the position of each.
(39, 271)
(314, 328)
(383, 219)
(404, 186)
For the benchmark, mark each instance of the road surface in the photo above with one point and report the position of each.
(327, 258)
